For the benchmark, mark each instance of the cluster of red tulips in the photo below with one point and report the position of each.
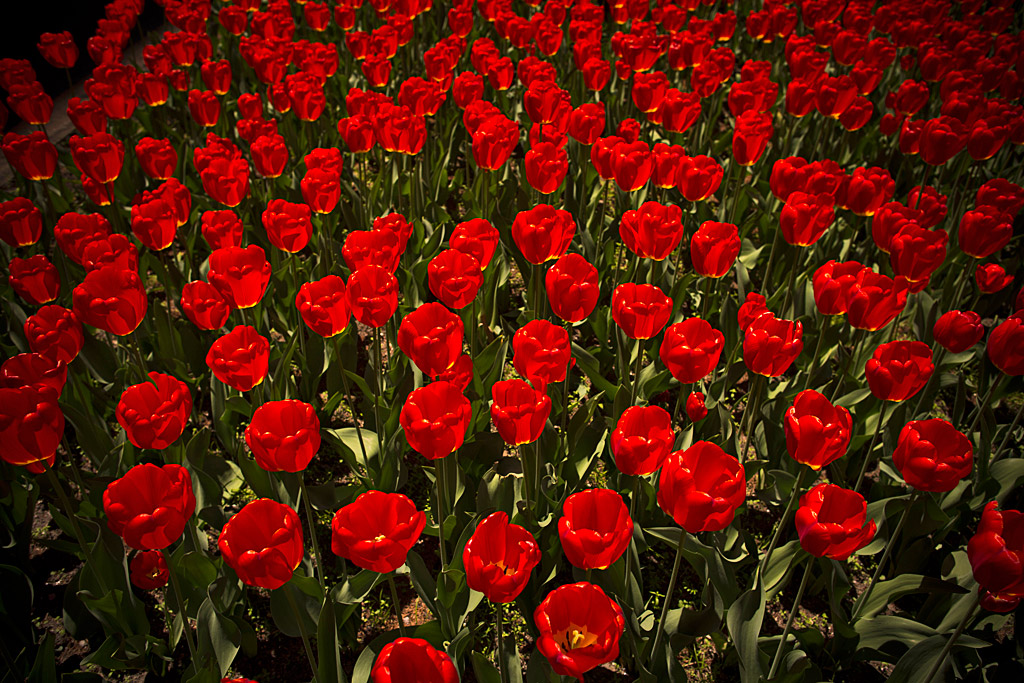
(696, 280)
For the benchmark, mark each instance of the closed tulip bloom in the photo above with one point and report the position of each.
(941, 139)
(111, 250)
(595, 528)
(435, 419)
(493, 142)
(831, 283)
(321, 190)
(653, 231)
(632, 165)
(546, 166)
(455, 278)
(541, 352)
(991, 278)
(996, 553)
(149, 506)
(586, 122)
(499, 558)
(1002, 195)
(372, 247)
(283, 435)
(642, 439)
(269, 155)
(222, 229)
(957, 331)
(154, 413)
(377, 530)
(35, 279)
(770, 345)
(714, 248)
(641, 311)
(262, 542)
(26, 369)
(158, 158)
(241, 275)
(204, 306)
(691, 349)
(890, 218)
(31, 426)
(204, 107)
(111, 299)
(289, 226)
(240, 358)
(696, 410)
(59, 49)
(543, 233)
(701, 487)
(817, 432)
(752, 308)
(750, 138)
(699, 177)
(898, 370)
(874, 300)
(33, 156)
(579, 628)
(867, 190)
(372, 294)
(413, 659)
(831, 522)
(916, 252)
(806, 217)
(148, 570)
(431, 336)
(98, 156)
(1005, 346)
(323, 305)
(518, 411)
(932, 455)
(572, 286)
(21, 222)
(477, 238)
(56, 332)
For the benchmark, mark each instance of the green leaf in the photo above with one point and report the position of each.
(357, 587)
(327, 645)
(744, 621)
(218, 636)
(44, 669)
(887, 591)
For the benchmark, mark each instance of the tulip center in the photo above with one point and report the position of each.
(500, 564)
(576, 637)
(379, 538)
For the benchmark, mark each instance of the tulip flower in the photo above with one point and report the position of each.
(204, 306)
(932, 455)
(323, 305)
(34, 279)
(831, 522)
(701, 487)
(653, 231)
(475, 237)
(240, 358)
(21, 222)
(283, 435)
(31, 426)
(262, 542)
(579, 628)
(898, 370)
(543, 233)
(372, 295)
(806, 217)
(148, 570)
(696, 410)
(770, 344)
(435, 418)
(26, 369)
(541, 352)
(518, 411)
(991, 278)
(957, 331)
(691, 349)
(289, 226)
(112, 300)
(413, 659)
(641, 311)
(431, 336)
(149, 506)
(595, 528)
(817, 432)
(221, 229)
(241, 275)
(874, 300)
(56, 332)
(996, 553)
(642, 439)
(154, 412)
(499, 558)
(714, 248)
(455, 278)
(377, 530)
(572, 287)
(1005, 346)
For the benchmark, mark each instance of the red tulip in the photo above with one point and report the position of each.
(435, 418)
(941, 139)
(372, 247)
(691, 349)
(642, 439)
(1001, 195)
(679, 110)
(996, 553)
(148, 570)
(770, 344)
(31, 426)
(59, 49)
(546, 166)
(240, 358)
(898, 370)
(579, 628)
(321, 190)
(56, 332)
(33, 156)
(932, 455)
(817, 432)
(98, 156)
(586, 122)
(957, 331)
(499, 558)
(641, 311)
(695, 408)
(806, 217)
(653, 231)
(475, 237)
(34, 279)
(26, 369)
(831, 522)
(518, 411)
(431, 336)
(832, 283)
(1005, 346)
(572, 287)
(154, 412)
(701, 487)
(916, 253)
(269, 155)
(541, 352)
(240, 275)
(874, 300)
(372, 295)
(413, 659)
(153, 222)
(358, 133)
(595, 528)
(222, 229)
(493, 142)
(750, 138)
(158, 158)
(283, 435)
(204, 306)
(699, 177)
(289, 226)
(21, 222)
(377, 530)
(262, 542)
(991, 278)
(714, 248)
(30, 103)
(867, 190)
(323, 305)
(455, 278)
(632, 165)
(149, 506)
(543, 233)
(111, 299)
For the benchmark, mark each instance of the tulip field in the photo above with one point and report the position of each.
(548, 340)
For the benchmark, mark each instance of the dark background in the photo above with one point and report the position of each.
(25, 20)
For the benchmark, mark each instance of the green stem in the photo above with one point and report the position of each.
(981, 405)
(634, 389)
(355, 417)
(442, 508)
(378, 427)
(754, 398)
(789, 622)
(79, 536)
(706, 298)
(890, 544)
(178, 596)
(797, 486)
(1009, 432)
(874, 440)
(668, 594)
(817, 349)
(952, 640)
(498, 626)
(302, 632)
(632, 516)
(396, 603)
(311, 522)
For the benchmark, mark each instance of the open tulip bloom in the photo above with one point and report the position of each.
(552, 307)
